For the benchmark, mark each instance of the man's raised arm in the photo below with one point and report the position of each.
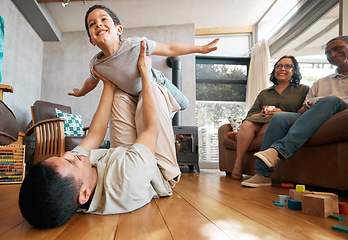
(150, 116)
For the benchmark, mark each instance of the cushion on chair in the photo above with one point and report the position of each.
(235, 123)
(8, 125)
(72, 124)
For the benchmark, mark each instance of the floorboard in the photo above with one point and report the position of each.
(208, 205)
(145, 223)
(186, 222)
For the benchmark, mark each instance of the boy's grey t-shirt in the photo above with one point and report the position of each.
(122, 66)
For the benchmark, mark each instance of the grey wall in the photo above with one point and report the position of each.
(22, 66)
(49, 70)
(66, 65)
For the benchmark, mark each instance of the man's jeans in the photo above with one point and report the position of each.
(288, 131)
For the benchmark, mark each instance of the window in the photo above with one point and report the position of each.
(221, 79)
(229, 45)
(312, 68)
(276, 17)
(311, 72)
(220, 93)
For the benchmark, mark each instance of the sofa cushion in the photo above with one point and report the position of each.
(333, 130)
(235, 123)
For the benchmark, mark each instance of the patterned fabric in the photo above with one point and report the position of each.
(235, 123)
(73, 124)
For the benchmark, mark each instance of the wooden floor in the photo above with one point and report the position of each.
(208, 205)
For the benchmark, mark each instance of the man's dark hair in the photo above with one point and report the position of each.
(344, 38)
(111, 13)
(296, 75)
(46, 199)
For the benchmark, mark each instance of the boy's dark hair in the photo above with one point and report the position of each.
(46, 199)
(111, 13)
(296, 75)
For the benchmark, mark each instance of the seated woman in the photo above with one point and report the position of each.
(285, 95)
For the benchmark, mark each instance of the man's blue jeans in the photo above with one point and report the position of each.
(288, 131)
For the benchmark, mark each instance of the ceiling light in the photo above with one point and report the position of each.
(65, 2)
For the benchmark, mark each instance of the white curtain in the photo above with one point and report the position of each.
(259, 72)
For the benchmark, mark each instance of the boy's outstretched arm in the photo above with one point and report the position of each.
(88, 86)
(100, 119)
(150, 116)
(176, 49)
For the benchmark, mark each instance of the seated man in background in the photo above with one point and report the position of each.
(287, 132)
(100, 181)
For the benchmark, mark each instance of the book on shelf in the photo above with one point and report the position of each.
(18, 180)
(10, 176)
(11, 173)
(12, 163)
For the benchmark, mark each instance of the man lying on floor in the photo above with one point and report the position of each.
(100, 181)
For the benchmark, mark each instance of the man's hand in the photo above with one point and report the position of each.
(105, 81)
(210, 46)
(144, 62)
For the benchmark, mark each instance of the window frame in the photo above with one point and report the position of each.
(222, 60)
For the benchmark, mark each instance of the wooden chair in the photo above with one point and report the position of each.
(48, 130)
(5, 88)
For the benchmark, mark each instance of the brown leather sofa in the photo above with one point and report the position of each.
(322, 161)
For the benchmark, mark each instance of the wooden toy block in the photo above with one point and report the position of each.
(336, 217)
(283, 199)
(278, 204)
(343, 208)
(317, 205)
(300, 188)
(334, 200)
(297, 195)
(340, 228)
(287, 185)
(294, 204)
